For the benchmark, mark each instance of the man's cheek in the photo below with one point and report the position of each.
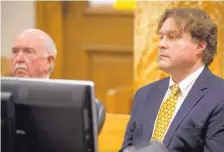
(13, 62)
(35, 67)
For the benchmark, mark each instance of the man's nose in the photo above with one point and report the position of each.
(163, 44)
(20, 56)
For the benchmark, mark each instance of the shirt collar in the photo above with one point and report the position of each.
(185, 83)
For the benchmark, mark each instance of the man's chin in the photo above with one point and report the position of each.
(21, 75)
(164, 67)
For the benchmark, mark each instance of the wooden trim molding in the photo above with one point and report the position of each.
(107, 48)
(106, 10)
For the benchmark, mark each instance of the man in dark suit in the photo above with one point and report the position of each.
(33, 56)
(186, 110)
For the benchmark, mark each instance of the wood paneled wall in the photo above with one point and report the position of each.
(94, 43)
(49, 18)
(6, 66)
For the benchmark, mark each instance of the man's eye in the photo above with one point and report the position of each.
(172, 37)
(14, 51)
(26, 50)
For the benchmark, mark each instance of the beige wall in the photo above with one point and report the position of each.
(146, 40)
(15, 16)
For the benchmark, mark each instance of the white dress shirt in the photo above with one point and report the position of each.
(185, 86)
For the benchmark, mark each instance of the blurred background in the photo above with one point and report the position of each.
(94, 42)
(117, 49)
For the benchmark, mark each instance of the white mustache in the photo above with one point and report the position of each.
(20, 65)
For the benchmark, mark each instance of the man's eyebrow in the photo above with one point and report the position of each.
(169, 32)
(30, 48)
(13, 48)
(27, 47)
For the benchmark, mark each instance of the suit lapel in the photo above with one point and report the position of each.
(193, 97)
(152, 107)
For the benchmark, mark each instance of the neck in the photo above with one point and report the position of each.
(44, 76)
(182, 73)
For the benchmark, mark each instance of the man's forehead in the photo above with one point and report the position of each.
(31, 40)
(170, 26)
(29, 36)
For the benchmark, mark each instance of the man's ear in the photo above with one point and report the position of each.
(50, 59)
(201, 47)
(50, 62)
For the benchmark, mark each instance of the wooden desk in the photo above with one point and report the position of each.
(112, 134)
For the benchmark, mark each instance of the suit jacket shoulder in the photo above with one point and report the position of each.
(147, 88)
(143, 93)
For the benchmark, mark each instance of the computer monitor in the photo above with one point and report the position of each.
(7, 122)
(53, 115)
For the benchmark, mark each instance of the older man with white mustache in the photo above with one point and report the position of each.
(33, 54)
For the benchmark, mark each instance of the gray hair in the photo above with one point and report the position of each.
(52, 50)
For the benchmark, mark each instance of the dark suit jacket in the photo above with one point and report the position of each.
(198, 125)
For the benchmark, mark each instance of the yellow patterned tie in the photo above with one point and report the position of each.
(165, 114)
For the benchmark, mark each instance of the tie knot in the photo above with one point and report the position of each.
(175, 88)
